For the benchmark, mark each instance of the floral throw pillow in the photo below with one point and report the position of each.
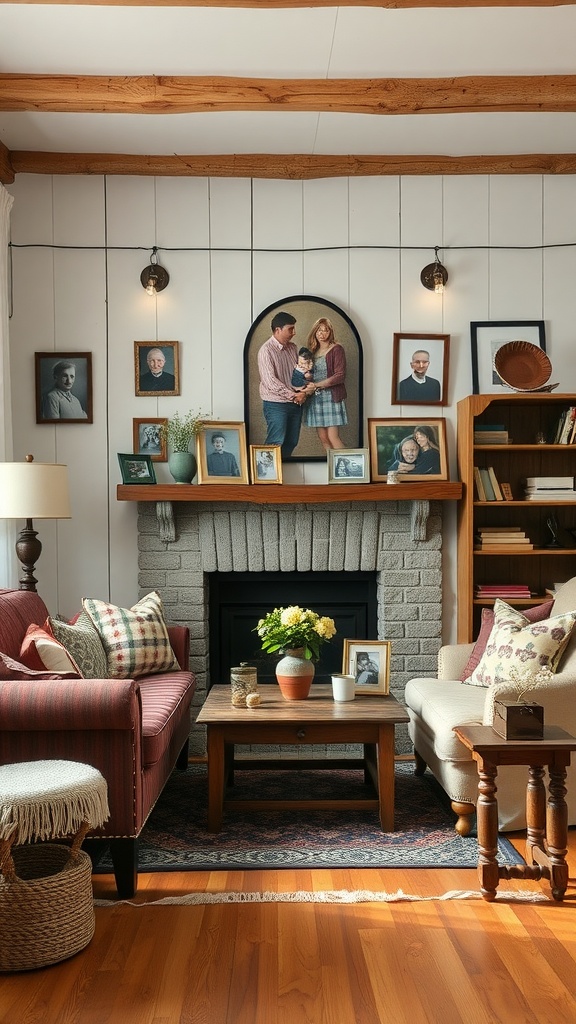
(534, 614)
(83, 642)
(135, 639)
(528, 647)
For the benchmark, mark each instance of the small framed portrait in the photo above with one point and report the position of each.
(486, 337)
(156, 368)
(348, 466)
(265, 464)
(63, 387)
(369, 662)
(415, 449)
(319, 341)
(420, 369)
(136, 469)
(149, 438)
(221, 453)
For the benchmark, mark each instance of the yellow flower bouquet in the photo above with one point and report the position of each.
(293, 628)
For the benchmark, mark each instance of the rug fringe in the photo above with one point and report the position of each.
(329, 896)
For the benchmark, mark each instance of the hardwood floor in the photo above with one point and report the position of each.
(451, 962)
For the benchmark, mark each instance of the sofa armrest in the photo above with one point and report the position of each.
(69, 705)
(557, 697)
(452, 660)
(180, 643)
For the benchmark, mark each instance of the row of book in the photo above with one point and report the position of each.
(550, 488)
(488, 488)
(510, 591)
(495, 539)
(490, 433)
(565, 432)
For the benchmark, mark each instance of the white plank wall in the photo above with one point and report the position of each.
(87, 299)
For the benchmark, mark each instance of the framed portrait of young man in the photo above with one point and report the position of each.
(221, 453)
(63, 387)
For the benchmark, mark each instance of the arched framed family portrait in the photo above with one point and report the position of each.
(318, 324)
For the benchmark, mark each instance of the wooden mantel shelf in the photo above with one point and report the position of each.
(291, 494)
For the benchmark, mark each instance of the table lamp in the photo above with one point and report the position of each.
(32, 490)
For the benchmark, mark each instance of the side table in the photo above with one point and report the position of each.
(547, 821)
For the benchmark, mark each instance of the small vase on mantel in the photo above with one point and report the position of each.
(295, 673)
(182, 466)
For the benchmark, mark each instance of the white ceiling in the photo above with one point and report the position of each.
(323, 43)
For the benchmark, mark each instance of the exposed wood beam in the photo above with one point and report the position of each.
(295, 166)
(287, 4)
(6, 168)
(177, 95)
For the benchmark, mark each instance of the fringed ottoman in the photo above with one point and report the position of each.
(46, 905)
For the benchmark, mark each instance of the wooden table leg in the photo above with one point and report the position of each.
(535, 813)
(557, 831)
(215, 746)
(487, 822)
(385, 754)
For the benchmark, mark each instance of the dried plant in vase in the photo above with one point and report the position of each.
(179, 431)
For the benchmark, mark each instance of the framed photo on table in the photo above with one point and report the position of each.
(486, 337)
(148, 437)
(265, 464)
(415, 449)
(348, 466)
(63, 387)
(420, 369)
(156, 368)
(369, 662)
(221, 453)
(136, 469)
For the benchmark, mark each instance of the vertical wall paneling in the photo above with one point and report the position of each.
(515, 274)
(559, 276)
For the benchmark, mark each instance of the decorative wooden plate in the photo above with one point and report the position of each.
(522, 365)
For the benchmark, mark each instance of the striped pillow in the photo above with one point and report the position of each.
(135, 639)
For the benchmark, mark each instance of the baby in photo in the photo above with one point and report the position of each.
(303, 372)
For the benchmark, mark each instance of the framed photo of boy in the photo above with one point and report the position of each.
(272, 376)
(420, 369)
(221, 453)
(265, 464)
(369, 662)
(156, 368)
(415, 449)
(348, 466)
(136, 469)
(63, 387)
(149, 439)
(486, 337)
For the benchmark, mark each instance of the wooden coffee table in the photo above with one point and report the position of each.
(318, 719)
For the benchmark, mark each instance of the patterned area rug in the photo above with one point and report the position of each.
(175, 837)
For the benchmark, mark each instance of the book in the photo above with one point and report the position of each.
(498, 529)
(490, 496)
(495, 485)
(555, 482)
(567, 425)
(504, 549)
(479, 485)
(550, 495)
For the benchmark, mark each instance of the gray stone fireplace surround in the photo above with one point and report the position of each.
(400, 540)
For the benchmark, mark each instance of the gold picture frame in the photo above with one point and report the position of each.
(390, 450)
(146, 379)
(369, 662)
(265, 464)
(226, 462)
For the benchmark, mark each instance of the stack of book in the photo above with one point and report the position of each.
(496, 539)
(566, 427)
(550, 488)
(487, 486)
(490, 433)
(510, 591)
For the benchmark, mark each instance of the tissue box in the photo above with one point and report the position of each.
(515, 721)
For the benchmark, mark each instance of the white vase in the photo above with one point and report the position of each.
(295, 673)
(182, 466)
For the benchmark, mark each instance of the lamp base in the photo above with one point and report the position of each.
(28, 549)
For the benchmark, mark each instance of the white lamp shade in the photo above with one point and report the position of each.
(34, 490)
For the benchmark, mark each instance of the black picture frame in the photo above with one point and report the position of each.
(404, 347)
(136, 469)
(307, 309)
(51, 400)
(486, 337)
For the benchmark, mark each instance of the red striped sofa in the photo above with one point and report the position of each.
(134, 731)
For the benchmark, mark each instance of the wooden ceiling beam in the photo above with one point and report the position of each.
(287, 4)
(177, 95)
(293, 166)
(6, 168)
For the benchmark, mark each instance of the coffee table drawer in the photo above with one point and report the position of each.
(300, 732)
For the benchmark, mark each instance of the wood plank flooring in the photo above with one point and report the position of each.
(452, 962)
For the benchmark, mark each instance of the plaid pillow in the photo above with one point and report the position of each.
(82, 641)
(135, 639)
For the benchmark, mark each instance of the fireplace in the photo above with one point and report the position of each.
(397, 544)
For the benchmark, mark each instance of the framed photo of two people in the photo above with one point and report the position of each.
(415, 449)
(303, 379)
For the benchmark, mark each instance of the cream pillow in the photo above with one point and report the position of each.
(514, 642)
(135, 639)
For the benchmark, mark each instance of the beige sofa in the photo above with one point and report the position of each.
(437, 705)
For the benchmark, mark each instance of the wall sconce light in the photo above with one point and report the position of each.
(154, 278)
(434, 276)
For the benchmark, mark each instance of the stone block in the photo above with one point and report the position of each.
(423, 558)
(426, 628)
(163, 560)
(155, 580)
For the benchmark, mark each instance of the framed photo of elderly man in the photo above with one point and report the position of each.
(63, 387)
(303, 379)
(414, 449)
(221, 453)
(156, 369)
(420, 369)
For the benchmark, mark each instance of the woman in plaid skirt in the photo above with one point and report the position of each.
(326, 409)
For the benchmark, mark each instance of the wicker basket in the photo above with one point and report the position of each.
(47, 911)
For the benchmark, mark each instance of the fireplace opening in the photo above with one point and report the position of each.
(237, 600)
